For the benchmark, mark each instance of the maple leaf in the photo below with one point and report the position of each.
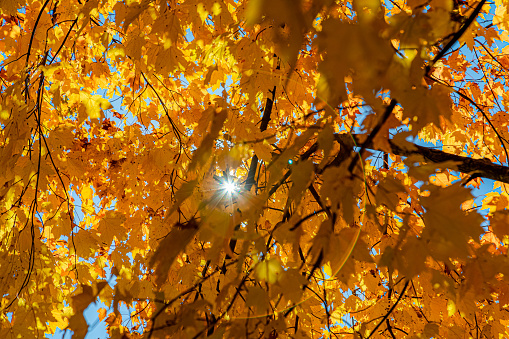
(110, 226)
(93, 104)
(429, 106)
(268, 270)
(348, 134)
(170, 247)
(447, 227)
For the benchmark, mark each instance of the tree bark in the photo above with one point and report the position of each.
(483, 168)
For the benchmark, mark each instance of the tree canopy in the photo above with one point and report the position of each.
(255, 169)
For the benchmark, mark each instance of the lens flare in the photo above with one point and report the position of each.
(230, 187)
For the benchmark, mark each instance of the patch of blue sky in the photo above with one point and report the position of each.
(189, 35)
(95, 325)
(96, 328)
(223, 87)
(116, 101)
(209, 20)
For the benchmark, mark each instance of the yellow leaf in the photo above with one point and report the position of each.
(9, 7)
(500, 224)
(102, 313)
(429, 106)
(449, 229)
(86, 243)
(170, 247)
(110, 226)
(202, 12)
(269, 270)
(327, 270)
(87, 201)
(451, 308)
(201, 155)
(133, 11)
(290, 283)
(258, 298)
(94, 104)
(134, 45)
(216, 8)
(302, 173)
(388, 192)
(263, 151)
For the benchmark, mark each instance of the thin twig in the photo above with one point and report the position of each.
(390, 311)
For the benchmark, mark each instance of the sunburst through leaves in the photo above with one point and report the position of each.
(254, 169)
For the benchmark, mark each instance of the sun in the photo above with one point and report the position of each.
(230, 187)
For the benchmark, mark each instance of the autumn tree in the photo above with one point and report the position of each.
(254, 169)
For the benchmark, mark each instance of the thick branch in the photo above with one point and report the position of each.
(250, 181)
(478, 167)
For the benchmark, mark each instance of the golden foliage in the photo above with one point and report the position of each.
(255, 169)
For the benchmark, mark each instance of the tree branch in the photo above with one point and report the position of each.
(480, 167)
(456, 36)
(391, 309)
(373, 133)
(250, 181)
